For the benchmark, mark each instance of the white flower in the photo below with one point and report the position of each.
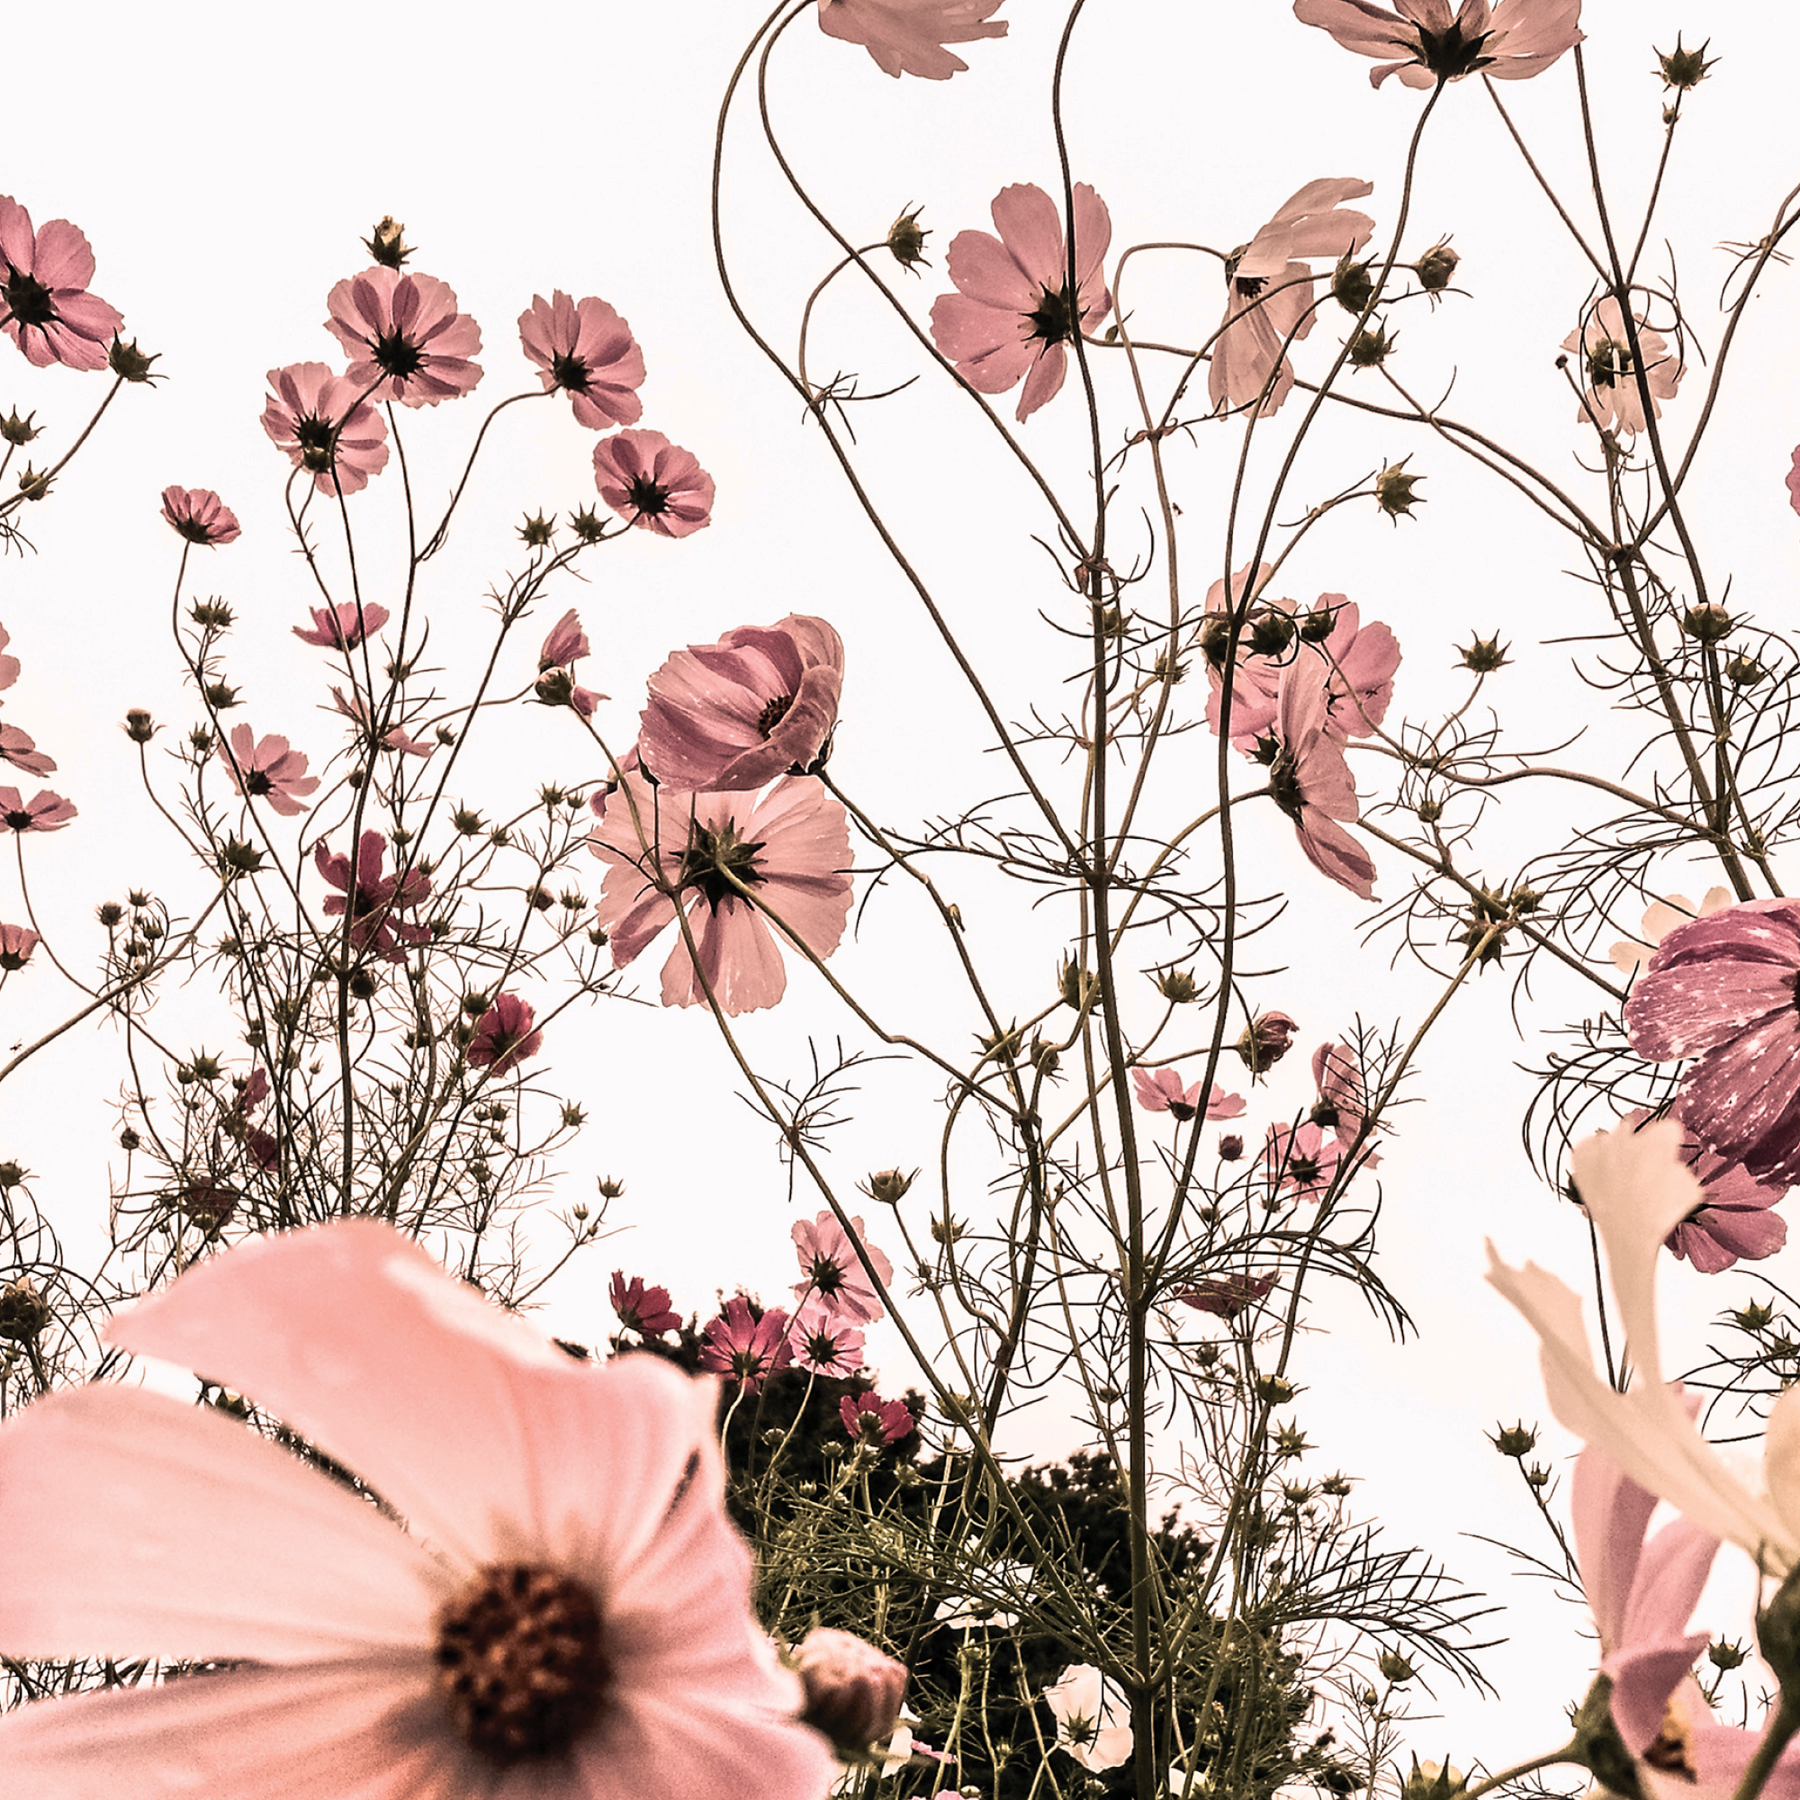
(1092, 1719)
(974, 1611)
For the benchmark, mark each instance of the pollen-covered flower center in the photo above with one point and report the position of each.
(28, 300)
(648, 496)
(521, 1663)
(397, 354)
(1053, 320)
(772, 714)
(1448, 53)
(1608, 363)
(569, 371)
(717, 862)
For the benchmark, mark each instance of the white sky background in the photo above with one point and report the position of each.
(224, 166)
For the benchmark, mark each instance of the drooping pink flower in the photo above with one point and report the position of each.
(566, 1610)
(19, 748)
(1310, 779)
(267, 769)
(505, 1035)
(832, 1272)
(790, 845)
(1269, 292)
(16, 946)
(344, 626)
(1361, 660)
(373, 900)
(1225, 1296)
(1733, 1218)
(9, 665)
(1342, 1105)
(869, 1419)
(761, 702)
(642, 1309)
(587, 350)
(745, 1348)
(1302, 1158)
(853, 1690)
(1012, 312)
(326, 427)
(404, 337)
(45, 307)
(1160, 1090)
(650, 482)
(1510, 41)
(46, 811)
(1611, 400)
(825, 1341)
(907, 37)
(199, 515)
(565, 645)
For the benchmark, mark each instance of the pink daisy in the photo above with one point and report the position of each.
(1361, 660)
(761, 702)
(907, 37)
(1160, 1090)
(1311, 781)
(404, 337)
(342, 627)
(869, 1419)
(1733, 1218)
(373, 899)
(1012, 315)
(746, 1349)
(833, 1273)
(791, 845)
(1510, 41)
(19, 748)
(1611, 399)
(566, 644)
(650, 482)
(45, 307)
(199, 515)
(267, 769)
(1269, 292)
(566, 1610)
(1225, 1296)
(825, 1341)
(46, 812)
(505, 1035)
(16, 946)
(326, 427)
(645, 1310)
(584, 348)
(1302, 1158)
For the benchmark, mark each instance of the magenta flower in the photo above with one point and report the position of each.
(1225, 1296)
(45, 307)
(645, 1310)
(1311, 781)
(1160, 1090)
(869, 1419)
(587, 350)
(404, 337)
(16, 946)
(907, 37)
(505, 1035)
(790, 845)
(1733, 1218)
(761, 702)
(267, 769)
(373, 900)
(1611, 400)
(565, 645)
(833, 1273)
(650, 482)
(566, 1610)
(1269, 292)
(326, 427)
(746, 1348)
(1510, 41)
(825, 1341)
(9, 665)
(1302, 1158)
(1012, 314)
(46, 812)
(342, 627)
(1342, 1105)
(1722, 990)
(19, 748)
(199, 515)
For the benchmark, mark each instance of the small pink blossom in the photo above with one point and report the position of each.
(505, 1035)
(650, 482)
(1611, 400)
(16, 946)
(746, 1349)
(373, 900)
(1302, 1158)
(869, 1419)
(1225, 1296)
(908, 37)
(1733, 1218)
(19, 748)
(45, 307)
(1160, 1090)
(645, 1310)
(1012, 314)
(404, 337)
(565, 645)
(326, 427)
(761, 702)
(199, 515)
(833, 1272)
(1342, 1105)
(853, 1690)
(1510, 41)
(1311, 781)
(824, 1340)
(344, 626)
(46, 811)
(584, 348)
(267, 769)
(9, 665)
(1793, 488)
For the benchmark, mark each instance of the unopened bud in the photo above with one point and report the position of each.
(386, 243)
(1177, 986)
(587, 525)
(1745, 672)
(1075, 984)
(538, 531)
(222, 696)
(906, 239)
(1351, 287)
(852, 1690)
(1683, 69)
(138, 726)
(1436, 268)
(1271, 631)
(1396, 492)
(1514, 1440)
(889, 1185)
(1482, 655)
(1395, 1668)
(130, 363)
(1370, 349)
(17, 431)
(1706, 624)
(609, 1188)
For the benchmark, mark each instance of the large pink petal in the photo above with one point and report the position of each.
(1643, 1678)
(965, 330)
(1357, 25)
(736, 950)
(1670, 1577)
(1044, 382)
(1031, 228)
(988, 274)
(1611, 1513)
(1690, 1007)
(1334, 852)
(1093, 236)
(63, 258)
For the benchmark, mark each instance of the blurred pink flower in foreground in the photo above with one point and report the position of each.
(872, 1420)
(505, 1035)
(790, 845)
(744, 1347)
(907, 37)
(1093, 1719)
(566, 644)
(19, 747)
(1225, 1296)
(344, 626)
(1269, 292)
(1733, 1218)
(832, 1271)
(761, 702)
(584, 348)
(1611, 399)
(16, 946)
(650, 482)
(46, 812)
(199, 515)
(645, 1310)
(853, 1690)
(45, 307)
(1311, 780)
(567, 1611)
(1160, 1090)
(1509, 42)
(825, 1341)
(1012, 313)
(325, 427)
(373, 899)
(404, 337)
(267, 769)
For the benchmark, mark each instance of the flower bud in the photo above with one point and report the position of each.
(1318, 625)
(1075, 984)
(1514, 1440)
(239, 858)
(948, 1232)
(1177, 986)
(1745, 672)
(587, 525)
(1271, 632)
(538, 531)
(852, 1690)
(109, 913)
(213, 615)
(130, 363)
(1706, 624)
(222, 696)
(1754, 1316)
(386, 243)
(1274, 1390)
(1231, 1147)
(1265, 1041)
(906, 239)
(10, 1175)
(609, 1188)
(15, 430)
(1396, 491)
(1436, 267)
(1482, 655)
(889, 1185)
(1683, 69)
(1726, 1656)
(1370, 349)
(138, 726)
(1433, 1781)
(34, 484)
(555, 687)
(467, 822)
(1351, 287)
(24, 1312)
(1395, 1668)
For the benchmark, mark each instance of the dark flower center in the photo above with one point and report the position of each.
(747, 1364)
(1249, 286)
(314, 436)
(827, 1276)
(1324, 1113)
(772, 714)
(821, 1347)
(27, 299)
(194, 531)
(1284, 785)
(1180, 1111)
(256, 782)
(19, 821)
(1054, 319)
(1303, 1171)
(1608, 363)
(713, 858)
(397, 355)
(1448, 54)
(521, 1663)
(569, 371)
(648, 496)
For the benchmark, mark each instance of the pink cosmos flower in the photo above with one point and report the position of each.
(1225, 1296)
(1660, 918)
(824, 1340)
(1160, 1090)
(869, 1419)
(761, 702)
(1793, 485)
(264, 1147)
(1342, 1105)
(16, 946)
(566, 644)
(566, 1610)
(1722, 990)
(1611, 400)
(1266, 1040)
(1302, 1158)
(832, 1270)
(395, 738)
(46, 812)
(1311, 780)
(907, 37)
(1510, 41)
(1012, 314)
(587, 350)
(404, 335)
(747, 1349)
(1733, 1218)
(645, 1310)
(9, 665)
(267, 769)
(45, 307)
(326, 427)
(1269, 292)
(650, 482)
(199, 515)
(791, 845)
(505, 1035)
(19, 748)
(373, 899)
(343, 627)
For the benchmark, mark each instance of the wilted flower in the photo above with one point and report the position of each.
(907, 37)
(199, 515)
(404, 337)
(650, 482)
(45, 307)
(584, 348)
(1265, 1041)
